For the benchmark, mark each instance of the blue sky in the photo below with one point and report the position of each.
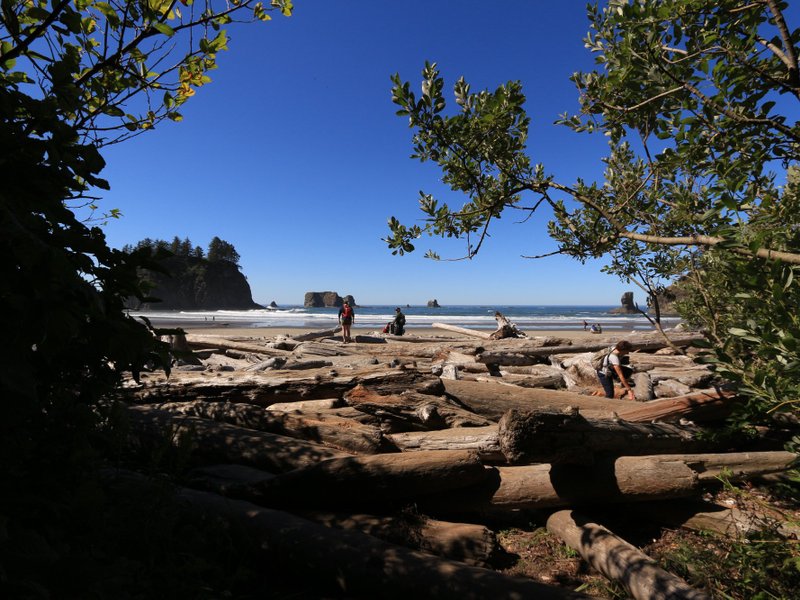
(295, 156)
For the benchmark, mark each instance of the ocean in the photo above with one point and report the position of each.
(526, 318)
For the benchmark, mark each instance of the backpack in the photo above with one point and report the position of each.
(347, 312)
(599, 360)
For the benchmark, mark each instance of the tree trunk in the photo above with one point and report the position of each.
(334, 431)
(378, 481)
(541, 436)
(463, 330)
(483, 440)
(710, 405)
(211, 442)
(466, 542)
(619, 561)
(493, 400)
(277, 386)
(533, 355)
(623, 479)
(419, 411)
(314, 335)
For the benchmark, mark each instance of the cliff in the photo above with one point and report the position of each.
(197, 284)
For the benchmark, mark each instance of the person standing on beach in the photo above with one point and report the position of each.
(611, 366)
(346, 318)
(398, 326)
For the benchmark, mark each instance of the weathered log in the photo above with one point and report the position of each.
(369, 339)
(420, 411)
(224, 479)
(307, 405)
(371, 481)
(347, 562)
(549, 436)
(535, 355)
(709, 405)
(492, 400)
(483, 440)
(699, 515)
(463, 330)
(252, 345)
(618, 560)
(612, 480)
(466, 542)
(264, 389)
(314, 335)
(213, 442)
(333, 431)
(552, 380)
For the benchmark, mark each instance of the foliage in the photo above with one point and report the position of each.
(75, 76)
(696, 99)
(219, 250)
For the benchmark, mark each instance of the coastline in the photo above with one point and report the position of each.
(221, 330)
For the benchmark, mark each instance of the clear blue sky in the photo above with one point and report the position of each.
(295, 156)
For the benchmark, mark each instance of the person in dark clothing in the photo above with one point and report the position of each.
(398, 326)
(613, 367)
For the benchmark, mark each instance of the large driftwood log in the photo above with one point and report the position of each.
(709, 405)
(264, 389)
(255, 346)
(623, 479)
(532, 355)
(493, 400)
(619, 561)
(467, 542)
(212, 442)
(371, 481)
(541, 436)
(483, 440)
(334, 431)
(315, 335)
(463, 330)
(418, 410)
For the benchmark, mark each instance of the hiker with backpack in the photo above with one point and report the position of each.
(613, 364)
(346, 318)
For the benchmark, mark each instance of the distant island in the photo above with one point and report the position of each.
(193, 279)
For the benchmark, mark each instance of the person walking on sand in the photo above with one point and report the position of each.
(611, 367)
(346, 318)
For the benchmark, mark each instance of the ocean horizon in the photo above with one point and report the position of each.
(525, 317)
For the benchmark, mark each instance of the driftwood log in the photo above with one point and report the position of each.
(493, 400)
(467, 542)
(613, 480)
(277, 386)
(463, 330)
(567, 437)
(374, 481)
(331, 430)
(709, 405)
(212, 442)
(618, 560)
(483, 440)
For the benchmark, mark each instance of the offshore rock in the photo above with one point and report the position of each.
(326, 300)
(433, 303)
(628, 307)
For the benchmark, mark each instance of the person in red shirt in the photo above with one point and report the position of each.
(346, 318)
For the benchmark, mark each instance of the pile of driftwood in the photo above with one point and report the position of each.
(321, 448)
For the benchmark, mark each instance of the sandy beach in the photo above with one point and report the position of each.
(205, 328)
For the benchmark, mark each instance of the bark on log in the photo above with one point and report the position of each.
(493, 400)
(463, 330)
(264, 389)
(619, 561)
(419, 411)
(623, 479)
(378, 481)
(483, 440)
(212, 442)
(333, 431)
(466, 542)
(709, 405)
(541, 436)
